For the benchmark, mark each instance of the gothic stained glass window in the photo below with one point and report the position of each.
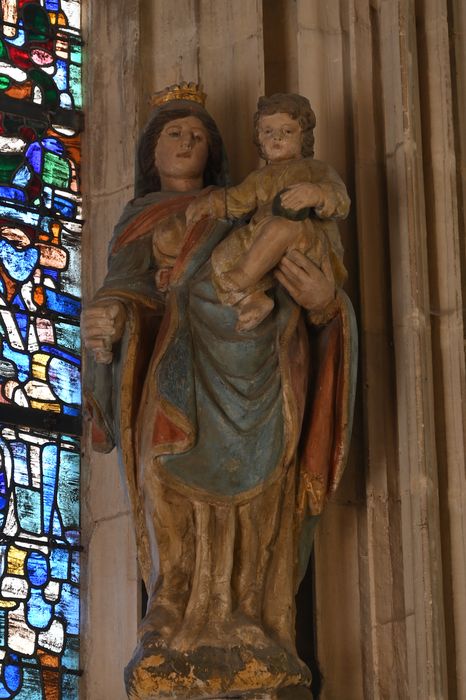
(40, 226)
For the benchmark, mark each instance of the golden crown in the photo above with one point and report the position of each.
(180, 91)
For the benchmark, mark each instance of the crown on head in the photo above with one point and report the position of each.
(180, 91)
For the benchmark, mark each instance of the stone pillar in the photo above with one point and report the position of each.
(110, 594)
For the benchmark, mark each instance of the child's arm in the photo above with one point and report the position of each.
(326, 193)
(207, 205)
(231, 202)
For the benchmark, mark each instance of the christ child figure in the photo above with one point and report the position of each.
(293, 199)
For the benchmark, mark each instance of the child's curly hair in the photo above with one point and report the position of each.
(298, 107)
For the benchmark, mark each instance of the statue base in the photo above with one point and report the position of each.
(213, 673)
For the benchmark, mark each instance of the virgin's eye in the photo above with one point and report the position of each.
(173, 134)
(198, 137)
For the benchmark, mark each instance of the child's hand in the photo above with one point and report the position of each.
(197, 210)
(304, 194)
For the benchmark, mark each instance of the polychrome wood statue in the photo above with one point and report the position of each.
(232, 429)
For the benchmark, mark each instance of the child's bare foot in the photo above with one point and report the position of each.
(252, 310)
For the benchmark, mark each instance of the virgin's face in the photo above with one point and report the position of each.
(182, 150)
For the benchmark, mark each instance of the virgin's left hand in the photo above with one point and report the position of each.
(304, 194)
(310, 287)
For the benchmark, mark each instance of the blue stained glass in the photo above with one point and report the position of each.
(68, 489)
(56, 352)
(18, 301)
(12, 674)
(32, 685)
(68, 336)
(62, 303)
(21, 359)
(28, 217)
(57, 524)
(49, 481)
(70, 411)
(37, 568)
(3, 489)
(13, 193)
(52, 5)
(2, 626)
(19, 39)
(34, 155)
(19, 264)
(22, 177)
(69, 607)
(64, 206)
(53, 274)
(61, 75)
(70, 687)
(54, 146)
(28, 508)
(22, 323)
(65, 101)
(72, 537)
(38, 611)
(75, 567)
(47, 194)
(59, 562)
(46, 224)
(65, 380)
(71, 653)
(20, 461)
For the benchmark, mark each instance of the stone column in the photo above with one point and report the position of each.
(110, 593)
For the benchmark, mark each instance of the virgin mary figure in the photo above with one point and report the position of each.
(230, 442)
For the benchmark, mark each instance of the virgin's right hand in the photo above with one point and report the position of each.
(102, 325)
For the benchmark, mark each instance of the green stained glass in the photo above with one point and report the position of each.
(8, 165)
(5, 82)
(36, 22)
(57, 171)
(76, 54)
(75, 85)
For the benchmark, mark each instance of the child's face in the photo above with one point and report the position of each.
(280, 137)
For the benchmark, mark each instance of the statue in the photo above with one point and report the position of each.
(231, 439)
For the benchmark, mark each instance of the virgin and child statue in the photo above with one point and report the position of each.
(223, 367)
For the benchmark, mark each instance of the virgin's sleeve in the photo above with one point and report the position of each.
(327, 430)
(129, 281)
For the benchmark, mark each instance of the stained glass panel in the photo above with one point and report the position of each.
(39, 562)
(40, 228)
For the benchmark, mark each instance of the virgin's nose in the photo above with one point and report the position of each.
(187, 142)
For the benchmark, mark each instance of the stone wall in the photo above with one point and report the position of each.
(387, 79)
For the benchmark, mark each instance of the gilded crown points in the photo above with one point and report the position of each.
(180, 91)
